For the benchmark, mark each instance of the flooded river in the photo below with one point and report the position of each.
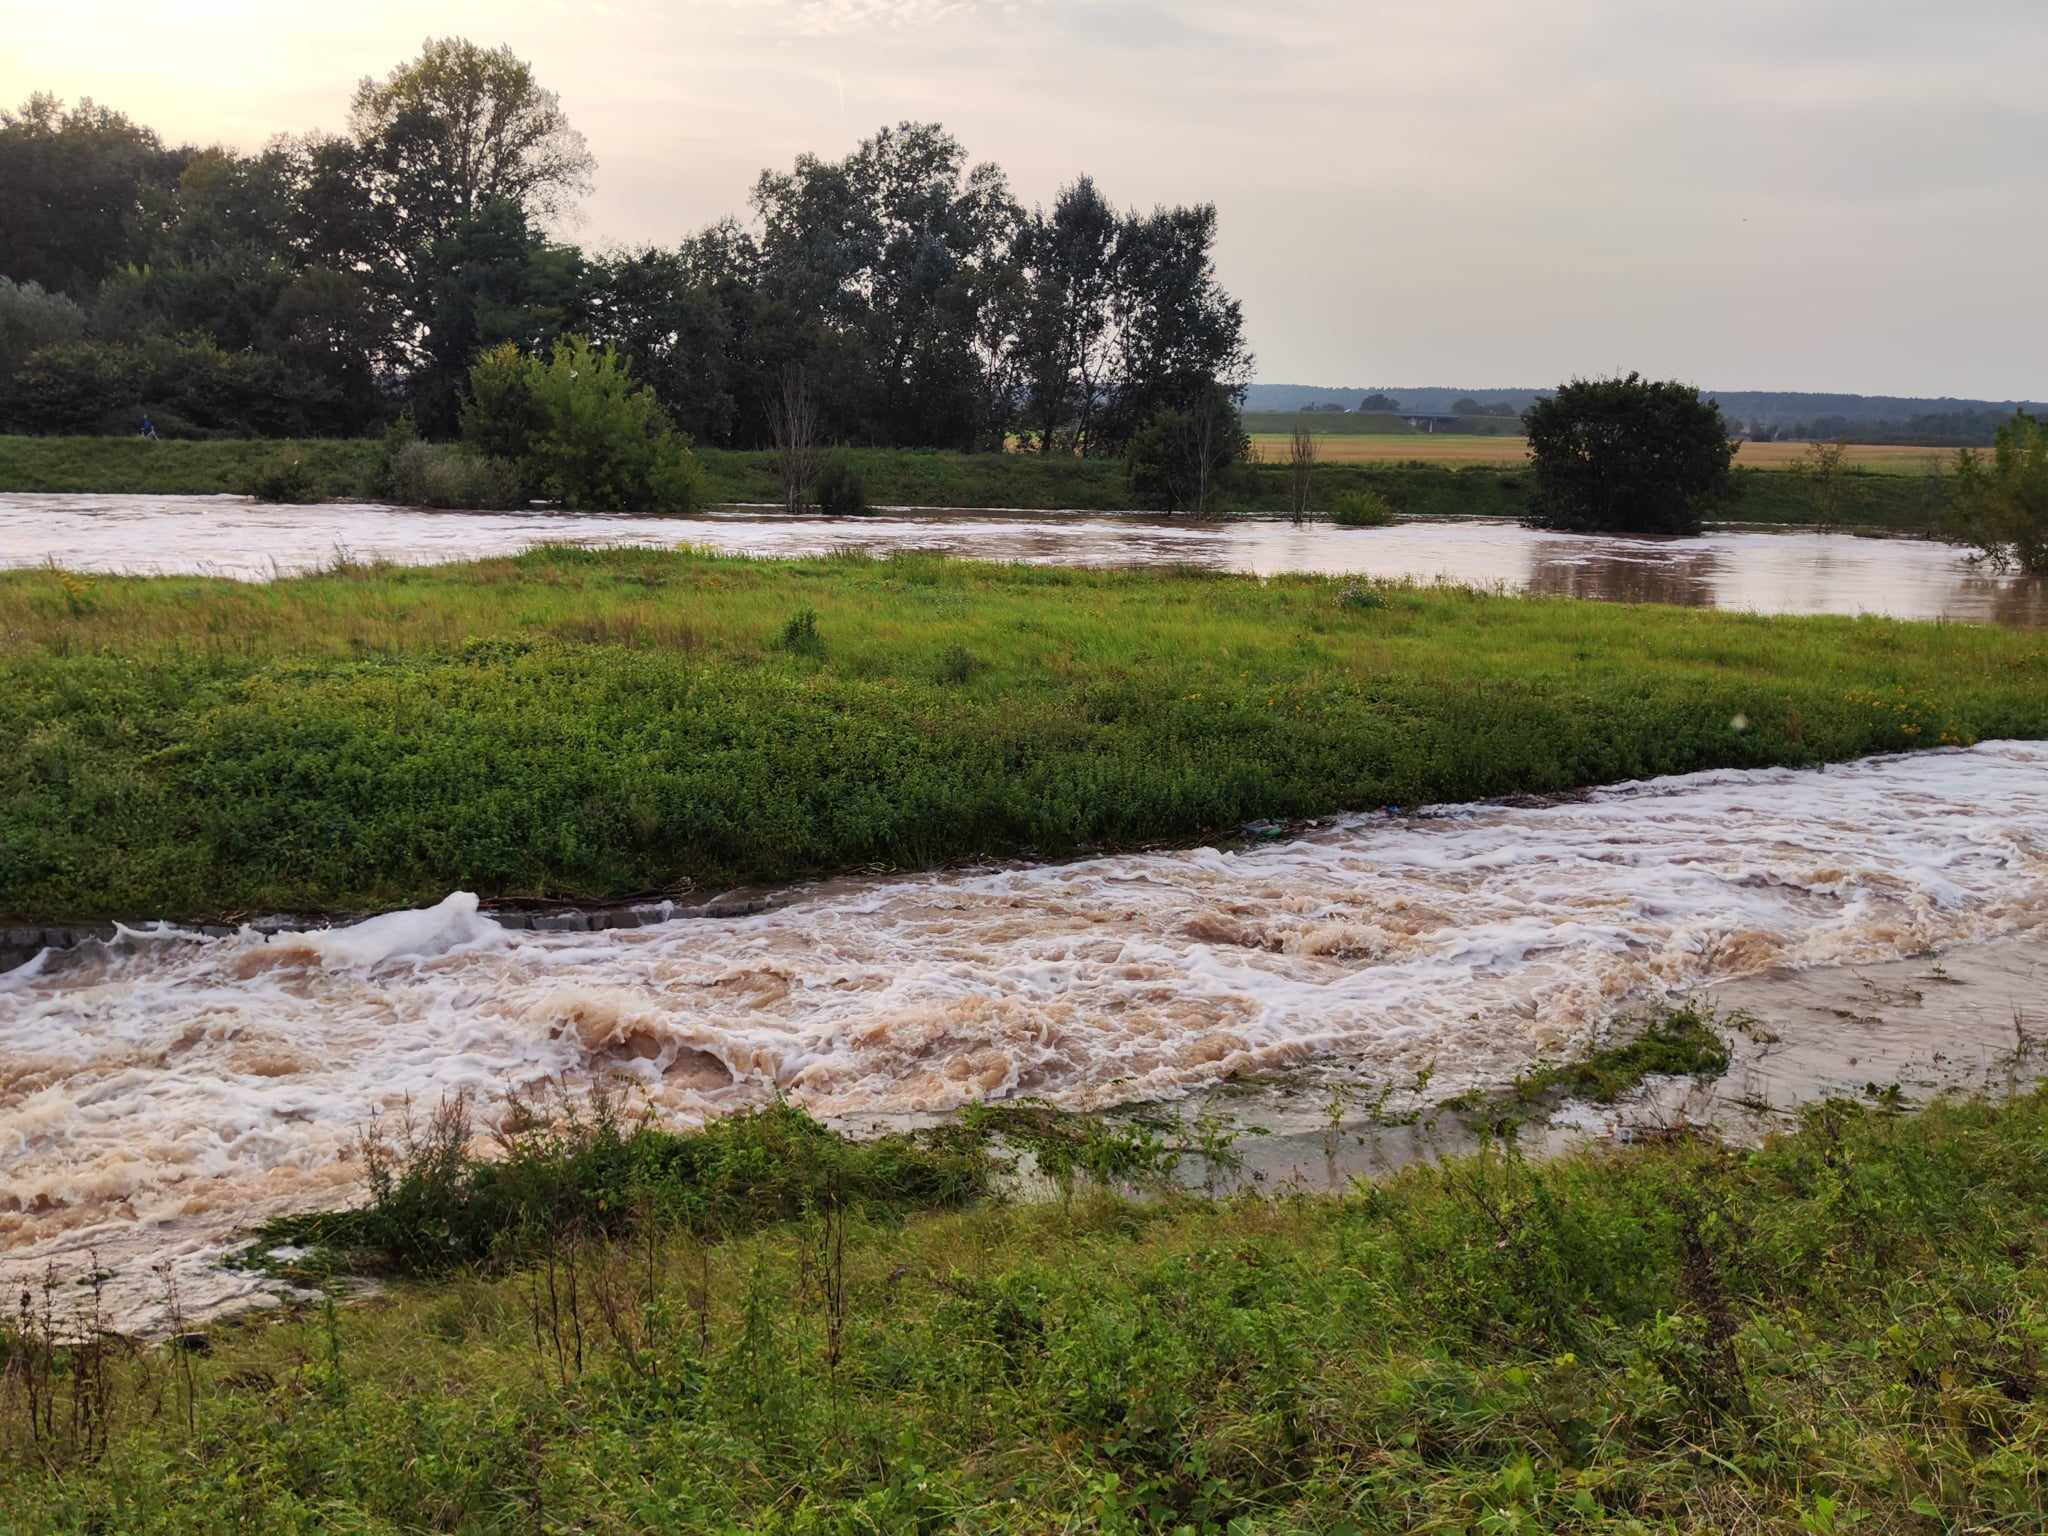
(1764, 572)
(158, 1092)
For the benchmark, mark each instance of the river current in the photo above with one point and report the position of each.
(159, 1091)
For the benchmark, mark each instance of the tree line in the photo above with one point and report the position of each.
(329, 282)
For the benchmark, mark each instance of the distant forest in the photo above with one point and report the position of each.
(1936, 421)
(327, 282)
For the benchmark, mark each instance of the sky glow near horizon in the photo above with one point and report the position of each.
(1834, 195)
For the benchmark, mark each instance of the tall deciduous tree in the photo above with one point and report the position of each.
(1179, 334)
(79, 191)
(1070, 260)
(462, 127)
(883, 254)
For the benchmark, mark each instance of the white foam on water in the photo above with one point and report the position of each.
(166, 1088)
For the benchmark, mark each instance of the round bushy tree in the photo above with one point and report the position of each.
(582, 430)
(1627, 456)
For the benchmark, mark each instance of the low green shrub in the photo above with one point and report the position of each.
(800, 635)
(1361, 509)
(567, 1164)
(839, 489)
(450, 475)
(957, 664)
(285, 477)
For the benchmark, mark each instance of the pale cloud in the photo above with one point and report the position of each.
(1831, 194)
(831, 17)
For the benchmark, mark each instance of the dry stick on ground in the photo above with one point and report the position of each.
(1301, 463)
(793, 424)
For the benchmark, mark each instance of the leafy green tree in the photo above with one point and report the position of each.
(585, 431)
(882, 256)
(462, 127)
(188, 385)
(435, 198)
(2001, 506)
(1069, 260)
(680, 318)
(495, 279)
(32, 318)
(1379, 403)
(1627, 456)
(1180, 455)
(78, 190)
(1179, 334)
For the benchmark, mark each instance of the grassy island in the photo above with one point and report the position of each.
(582, 724)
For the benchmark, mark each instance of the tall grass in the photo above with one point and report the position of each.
(1842, 1331)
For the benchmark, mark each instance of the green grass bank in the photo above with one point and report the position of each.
(1842, 1331)
(579, 724)
(914, 477)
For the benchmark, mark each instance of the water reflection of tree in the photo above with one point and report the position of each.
(1670, 575)
(2020, 602)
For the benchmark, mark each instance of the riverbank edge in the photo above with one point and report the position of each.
(348, 470)
(1626, 1337)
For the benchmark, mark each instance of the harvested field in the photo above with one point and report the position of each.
(1454, 449)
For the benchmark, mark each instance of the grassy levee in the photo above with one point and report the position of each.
(347, 471)
(580, 723)
(1841, 1331)
(136, 466)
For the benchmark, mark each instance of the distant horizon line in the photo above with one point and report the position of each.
(1477, 391)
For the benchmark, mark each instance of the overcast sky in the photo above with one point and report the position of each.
(1750, 194)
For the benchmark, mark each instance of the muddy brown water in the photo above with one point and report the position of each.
(159, 1092)
(1738, 568)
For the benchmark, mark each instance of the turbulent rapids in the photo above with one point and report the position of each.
(165, 1088)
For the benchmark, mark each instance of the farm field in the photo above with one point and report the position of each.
(1459, 449)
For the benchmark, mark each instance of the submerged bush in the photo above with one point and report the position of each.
(284, 477)
(450, 475)
(2002, 506)
(1682, 1042)
(1627, 456)
(839, 489)
(1361, 509)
